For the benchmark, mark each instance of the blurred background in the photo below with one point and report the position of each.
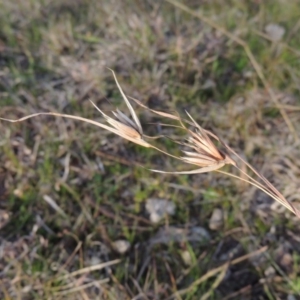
(79, 217)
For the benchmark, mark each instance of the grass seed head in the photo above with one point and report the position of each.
(126, 128)
(204, 153)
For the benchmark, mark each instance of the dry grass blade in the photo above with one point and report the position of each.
(71, 290)
(269, 188)
(132, 112)
(216, 283)
(161, 113)
(56, 207)
(89, 269)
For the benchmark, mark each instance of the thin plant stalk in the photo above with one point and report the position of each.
(259, 186)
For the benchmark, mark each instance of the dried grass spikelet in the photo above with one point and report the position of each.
(206, 155)
(126, 128)
(203, 152)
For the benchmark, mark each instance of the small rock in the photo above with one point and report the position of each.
(121, 246)
(284, 258)
(198, 234)
(248, 74)
(216, 220)
(158, 208)
(26, 289)
(291, 297)
(94, 261)
(208, 84)
(270, 272)
(286, 262)
(275, 31)
(4, 217)
(187, 258)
